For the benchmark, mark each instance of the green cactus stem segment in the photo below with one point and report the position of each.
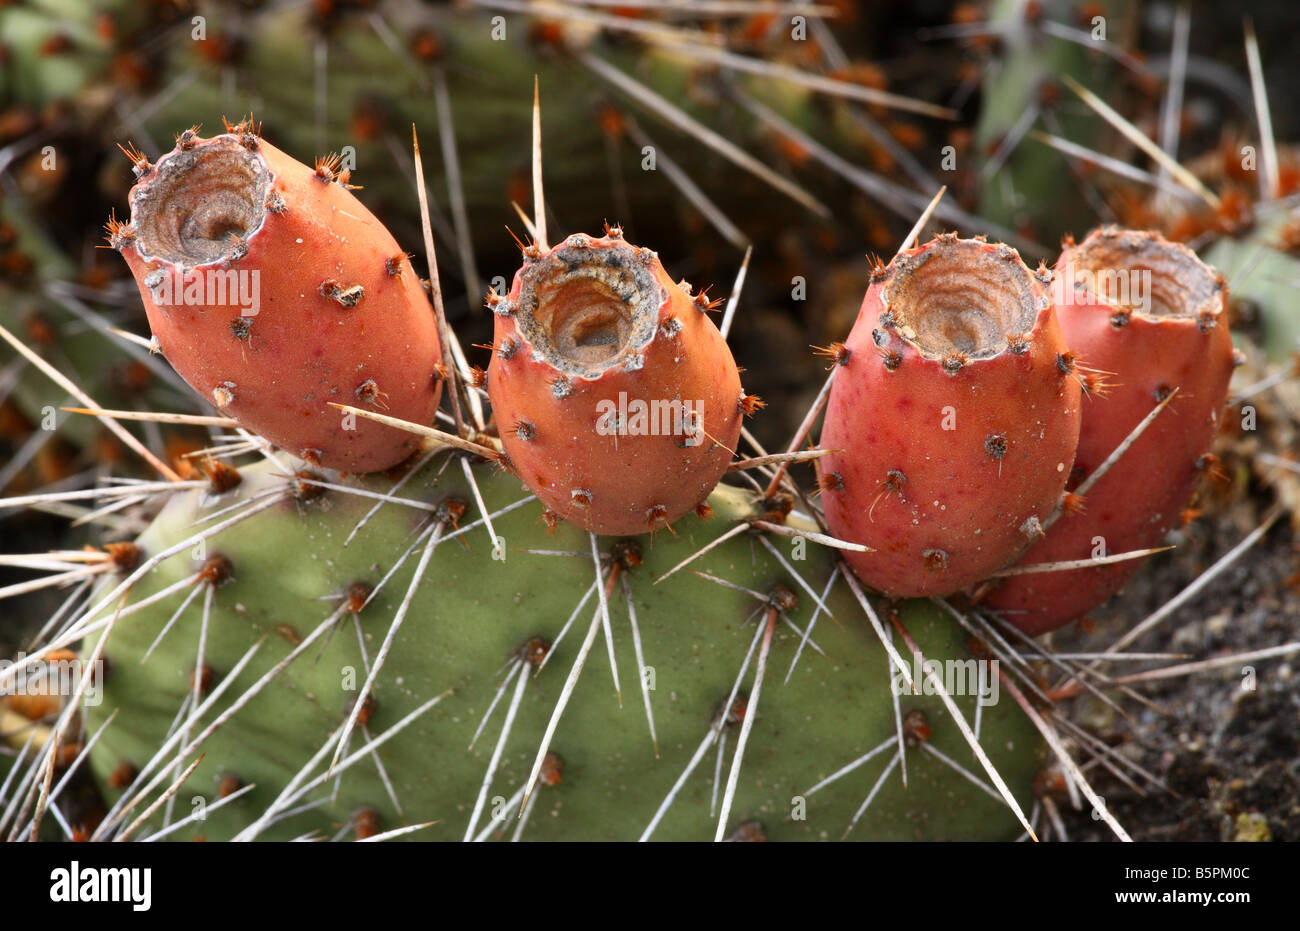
(584, 310)
(961, 296)
(474, 613)
(1179, 285)
(199, 198)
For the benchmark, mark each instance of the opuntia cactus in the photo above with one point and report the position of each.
(380, 84)
(617, 399)
(689, 640)
(954, 415)
(1026, 58)
(54, 323)
(291, 610)
(52, 50)
(1263, 267)
(273, 291)
(1150, 312)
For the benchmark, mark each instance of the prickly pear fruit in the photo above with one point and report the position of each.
(955, 416)
(273, 290)
(617, 399)
(1152, 313)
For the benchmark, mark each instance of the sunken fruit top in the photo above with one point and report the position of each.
(585, 308)
(195, 199)
(1181, 285)
(960, 296)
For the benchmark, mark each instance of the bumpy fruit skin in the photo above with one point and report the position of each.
(948, 461)
(1133, 505)
(588, 333)
(340, 314)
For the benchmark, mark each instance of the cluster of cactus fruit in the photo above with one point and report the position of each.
(353, 636)
(1029, 382)
(968, 409)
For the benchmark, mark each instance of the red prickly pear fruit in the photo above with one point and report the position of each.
(1150, 312)
(618, 402)
(955, 417)
(272, 290)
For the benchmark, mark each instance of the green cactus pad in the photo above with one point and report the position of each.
(92, 357)
(471, 613)
(1259, 270)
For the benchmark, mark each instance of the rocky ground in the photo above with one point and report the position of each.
(1227, 753)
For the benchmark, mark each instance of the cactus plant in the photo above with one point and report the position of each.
(1263, 267)
(40, 303)
(338, 75)
(476, 622)
(298, 650)
(1027, 50)
(54, 48)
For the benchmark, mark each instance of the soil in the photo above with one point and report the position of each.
(1227, 746)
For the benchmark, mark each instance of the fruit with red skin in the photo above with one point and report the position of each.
(272, 290)
(955, 416)
(618, 402)
(1156, 334)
